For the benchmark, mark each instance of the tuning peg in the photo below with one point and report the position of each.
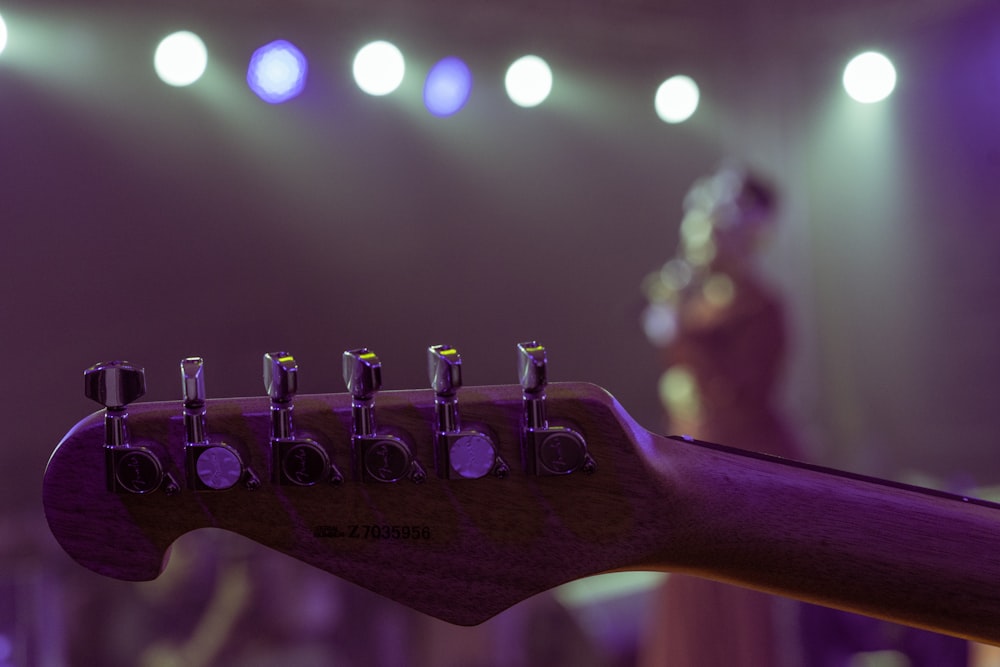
(281, 376)
(129, 469)
(193, 392)
(444, 367)
(531, 367)
(548, 450)
(211, 466)
(362, 373)
(114, 384)
(459, 453)
(377, 457)
(532, 364)
(281, 382)
(295, 460)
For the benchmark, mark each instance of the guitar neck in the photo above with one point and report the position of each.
(892, 551)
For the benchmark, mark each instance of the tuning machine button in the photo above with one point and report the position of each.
(378, 457)
(129, 468)
(211, 466)
(459, 454)
(295, 461)
(547, 450)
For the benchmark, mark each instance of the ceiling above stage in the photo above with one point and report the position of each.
(715, 11)
(629, 26)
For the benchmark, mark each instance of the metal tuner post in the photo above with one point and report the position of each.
(130, 468)
(459, 454)
(378, 457)
(547, 450)
(211, 466)
(295, 461)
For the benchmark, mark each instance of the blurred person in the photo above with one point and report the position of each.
(720, 335)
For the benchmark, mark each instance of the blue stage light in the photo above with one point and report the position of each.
(448, 86)
(277, 72)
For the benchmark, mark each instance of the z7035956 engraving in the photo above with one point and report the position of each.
(374, 532)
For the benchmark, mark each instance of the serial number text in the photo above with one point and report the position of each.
(374, 532)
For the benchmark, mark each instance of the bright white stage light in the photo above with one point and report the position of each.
(3, 34)
(379, 68)
(180, 58)
(869, 77)
(676, 99)
(528, 81)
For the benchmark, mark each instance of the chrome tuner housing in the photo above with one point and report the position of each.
(560, 451)
(129, 468)
(210, 466)
(469, 455)
(133, 470)
(547, 450)
(214, 467)
(302, 462)
(459, 453)
(386, 459)
(377, 456)
(295, 460)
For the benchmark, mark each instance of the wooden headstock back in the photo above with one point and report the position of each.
(458, 549)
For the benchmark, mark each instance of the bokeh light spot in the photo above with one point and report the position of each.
(379, 68)
(528, 81)
(180, 58)
(3, 34)
(277, 72)
(448, 86)
(869, 77)
(676, 99)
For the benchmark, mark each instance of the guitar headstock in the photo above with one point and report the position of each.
(456, 501)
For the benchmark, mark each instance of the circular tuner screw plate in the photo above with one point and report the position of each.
(304, 464)
(138, 471)
(219, 468)
(387, 461)
(472, 456)
(562, 453)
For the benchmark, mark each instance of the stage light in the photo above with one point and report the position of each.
(528, 81)
(277, 72)
(676, 99)
(3, 35)
(447, 87)
(180, 59)
(379, 68)
(869, 77)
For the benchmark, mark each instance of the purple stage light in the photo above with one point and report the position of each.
(277, 72)
(448, 86)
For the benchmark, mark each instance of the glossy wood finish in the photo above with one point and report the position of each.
(464, 550)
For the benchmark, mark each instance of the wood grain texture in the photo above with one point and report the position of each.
(476, 547)
(491, 542)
